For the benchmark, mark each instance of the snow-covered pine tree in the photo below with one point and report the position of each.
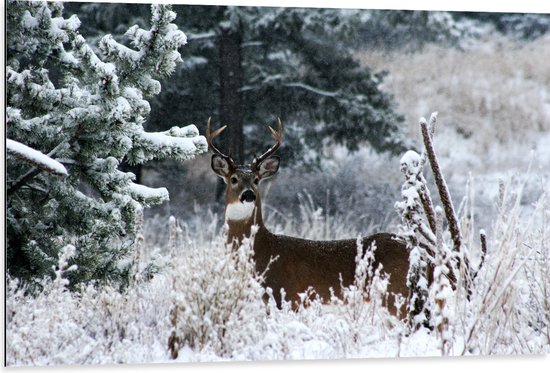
(293, 63)
(411, 30)
(68, 106)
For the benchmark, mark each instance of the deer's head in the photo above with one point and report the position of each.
(242, 181)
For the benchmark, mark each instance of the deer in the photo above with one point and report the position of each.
(293, 264)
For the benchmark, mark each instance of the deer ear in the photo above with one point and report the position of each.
(220, 166)
(269, 167)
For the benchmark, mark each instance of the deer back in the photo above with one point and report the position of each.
(298, 264)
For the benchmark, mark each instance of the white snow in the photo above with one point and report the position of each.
(411, 160)
(122, 110)
(176, 36)
(35, 157)
(187, 131)
(161, 140)
(29, 21)
(68, 58)
(144, 192)
(73, 23)
(173, 144)
(123, 52)
(410, 196)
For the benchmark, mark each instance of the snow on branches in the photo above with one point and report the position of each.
(440, 275)
(428, 254)
(35, 158)
(161, 41)
(87, 111)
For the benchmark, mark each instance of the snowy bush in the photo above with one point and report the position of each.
(410, 209)
(94, 325)
(364, 301)
(216, 299)
(72, 117)
(507, 311)
(482, 308)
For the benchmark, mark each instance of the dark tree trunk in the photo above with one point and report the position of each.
(231, 79)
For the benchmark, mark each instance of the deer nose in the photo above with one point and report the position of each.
(248, 196)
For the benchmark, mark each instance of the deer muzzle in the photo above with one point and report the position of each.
(248, 196)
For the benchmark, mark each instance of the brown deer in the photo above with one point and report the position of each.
(298, 263)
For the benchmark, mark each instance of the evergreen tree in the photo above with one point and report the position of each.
(528, 26)
(411, 30)
(246, 66)
(72, 116)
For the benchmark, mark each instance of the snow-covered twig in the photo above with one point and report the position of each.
(309, 88)
(35, 158)
(42, 162)
(411, 192)
(441, 291)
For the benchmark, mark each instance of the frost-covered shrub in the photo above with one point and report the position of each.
(483, 308)
(91, 325)
(441, 290)
(37, 329)
(507, 311)
(72, 117)
(414, 227)
(364, 302)
(216, 299)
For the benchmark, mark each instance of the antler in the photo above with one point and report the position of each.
(278, 135)
(210, 135)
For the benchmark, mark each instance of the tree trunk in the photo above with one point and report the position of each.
(231, 79)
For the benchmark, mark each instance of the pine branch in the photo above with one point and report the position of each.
(39, 160)
(22, 181)
(309, 88)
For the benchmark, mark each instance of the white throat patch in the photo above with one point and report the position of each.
(239, 210)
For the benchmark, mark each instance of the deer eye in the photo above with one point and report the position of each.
(256, 181)
(234, 180)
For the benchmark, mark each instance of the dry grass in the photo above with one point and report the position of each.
(493, 94)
